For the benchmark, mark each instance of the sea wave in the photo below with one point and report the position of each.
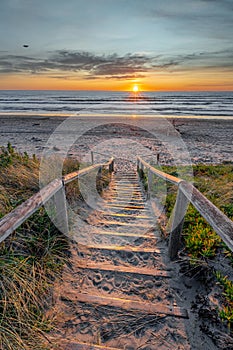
(94, 102)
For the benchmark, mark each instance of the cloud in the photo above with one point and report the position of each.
(87, 65)
(207, 60)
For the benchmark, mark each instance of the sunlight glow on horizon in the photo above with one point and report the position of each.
(202, 81)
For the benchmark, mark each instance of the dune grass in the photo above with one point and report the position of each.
(200, 242)
(34, 255)
(216, 183)
(30, 259)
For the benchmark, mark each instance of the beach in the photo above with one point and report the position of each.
(177, 141)
(192, 140)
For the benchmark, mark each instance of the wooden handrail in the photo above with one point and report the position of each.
(11, 221)
(161, 174)
(221, 224)
(76, 174)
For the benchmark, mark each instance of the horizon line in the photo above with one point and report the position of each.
(99, 90)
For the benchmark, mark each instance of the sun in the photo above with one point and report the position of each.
(135, 88)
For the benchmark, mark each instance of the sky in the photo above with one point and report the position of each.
(114, 44)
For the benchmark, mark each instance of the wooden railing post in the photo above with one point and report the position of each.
(142, 167)
(150, 178)
(111, 166)
(92, 157)
(139, 168)
(61, 216)
(177, 221)
(137, 164)
(99, 178)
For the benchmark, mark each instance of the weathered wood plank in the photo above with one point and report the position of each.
(85, 346)
(123, 269)
(127, 189)
(177, 221)
(112, 214)
(126, 209)
(217, 219)
(161, 174)
(111, 165)
(123, 248)
(126, 206)
(128, 199)
(76, 174)
(61, 219)
(125, 183)
(150, 183)
(119, 223)
(127, 304)
(10, 222)
(128, 194)
(124, 234)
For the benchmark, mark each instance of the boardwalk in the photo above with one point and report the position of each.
(116, 294)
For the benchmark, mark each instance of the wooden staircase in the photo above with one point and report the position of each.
(116, 295)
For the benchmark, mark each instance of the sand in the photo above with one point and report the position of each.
(189, 140)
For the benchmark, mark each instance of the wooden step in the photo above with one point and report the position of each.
(120, 208)
(86, 346)
(127, 194)
(124, 183)
(123, 269)
(126, 178)
(123, 177)
(119, 223)
(128, 198)
(127, 189)
(123, 234)
(127, 206)
(132, 216)
(118, 173)
(123, 248)
(127, 304)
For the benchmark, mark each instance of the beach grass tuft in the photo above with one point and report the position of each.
(30, 259)
(200, 241)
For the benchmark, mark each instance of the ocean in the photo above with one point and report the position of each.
(202, 104)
